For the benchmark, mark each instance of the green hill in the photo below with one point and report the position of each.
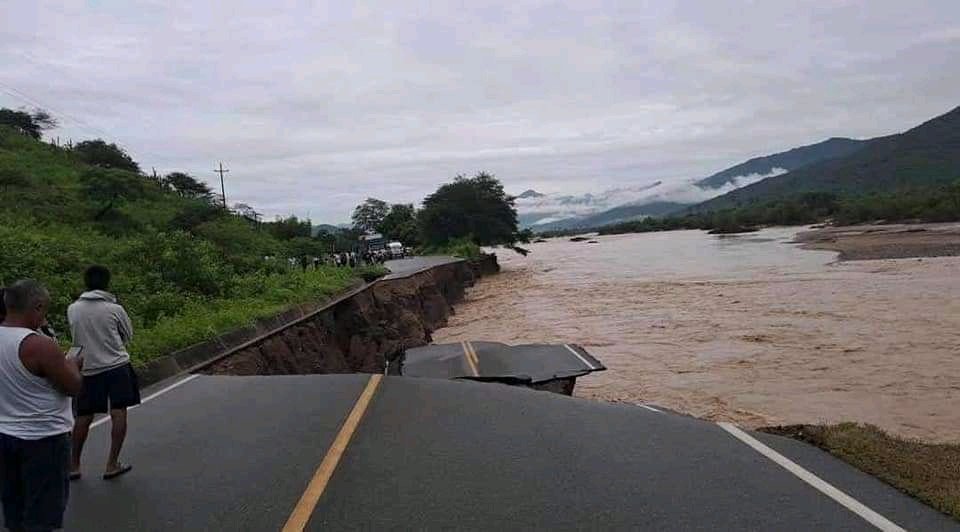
(787, 160)
(925, 156)
(185, 268)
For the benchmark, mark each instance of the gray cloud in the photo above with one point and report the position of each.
(317, 106)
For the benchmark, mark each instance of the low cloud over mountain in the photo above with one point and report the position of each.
(558, 211)
(536, 208)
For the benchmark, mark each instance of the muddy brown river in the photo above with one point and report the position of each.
(748, 328)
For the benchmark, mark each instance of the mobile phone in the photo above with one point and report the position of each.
(74, 351)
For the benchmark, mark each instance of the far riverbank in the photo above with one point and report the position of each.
(893, 241)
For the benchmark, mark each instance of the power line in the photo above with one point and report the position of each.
(77, 122)
(81, 124)
(38, 104)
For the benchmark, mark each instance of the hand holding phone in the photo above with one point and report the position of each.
(74, 354)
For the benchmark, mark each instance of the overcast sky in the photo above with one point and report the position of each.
(314, 106)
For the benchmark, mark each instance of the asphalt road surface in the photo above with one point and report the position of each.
(357, 452)
(411, 265)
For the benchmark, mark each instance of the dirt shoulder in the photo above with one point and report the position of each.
(894, 241)
(929, 472)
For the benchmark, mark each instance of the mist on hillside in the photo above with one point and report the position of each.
(555, 207)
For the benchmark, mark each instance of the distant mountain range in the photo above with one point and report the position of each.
(788, 160)
(928, 154)
(332, 229)
(623, 213)
(535, 208)
(550, 212)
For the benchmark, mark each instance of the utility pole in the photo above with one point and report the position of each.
(223, 192)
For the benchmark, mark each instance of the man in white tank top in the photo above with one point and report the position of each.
(36, 380)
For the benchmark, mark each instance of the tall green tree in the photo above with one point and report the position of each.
(30, 124)
(193, 214)
(290, 228)
(476, 207)
(304, 249)
(110, 188)
(246, 211)
(99, 153)
(401, 224)
(187, 186)
(368, 216)
(12, 177)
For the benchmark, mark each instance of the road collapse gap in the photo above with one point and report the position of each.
(549, 367)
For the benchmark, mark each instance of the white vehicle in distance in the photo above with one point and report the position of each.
(396, 250)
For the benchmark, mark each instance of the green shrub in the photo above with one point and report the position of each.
(370, 273)
(464, 248)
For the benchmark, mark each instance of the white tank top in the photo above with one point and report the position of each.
(30, 407)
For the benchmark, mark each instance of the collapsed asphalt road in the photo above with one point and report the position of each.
(400, 268)
(259, 453)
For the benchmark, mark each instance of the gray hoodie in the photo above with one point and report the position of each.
(103, 328)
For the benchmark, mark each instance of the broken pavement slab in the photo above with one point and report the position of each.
(537, 365)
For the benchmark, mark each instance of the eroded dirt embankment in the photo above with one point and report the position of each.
(360, 333)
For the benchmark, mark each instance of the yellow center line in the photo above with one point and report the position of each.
(471, 358)
(308, 501)
(473, 354)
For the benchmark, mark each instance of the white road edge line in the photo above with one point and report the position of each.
(650, 408)
(847, 501)
(578, 355)
(150, 397)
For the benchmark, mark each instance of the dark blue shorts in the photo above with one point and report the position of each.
(109, 390)
(34, 481)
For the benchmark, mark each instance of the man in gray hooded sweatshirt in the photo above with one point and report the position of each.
(103, 329)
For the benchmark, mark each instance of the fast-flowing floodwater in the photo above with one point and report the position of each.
(745, 328)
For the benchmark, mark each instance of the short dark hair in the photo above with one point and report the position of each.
(97, 277)
(25, 295)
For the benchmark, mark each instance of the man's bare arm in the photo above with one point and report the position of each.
(43, 357)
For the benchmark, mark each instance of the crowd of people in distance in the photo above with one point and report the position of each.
(353, 259)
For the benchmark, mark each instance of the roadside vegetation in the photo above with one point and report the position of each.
(929, 472)
(463, 248)
(186, 267)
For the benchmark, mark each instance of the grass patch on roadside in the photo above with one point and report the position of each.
(463, 248)
(370, 272)
(929, 472)
(202, 319)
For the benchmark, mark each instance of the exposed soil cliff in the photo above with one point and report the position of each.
(360, 333)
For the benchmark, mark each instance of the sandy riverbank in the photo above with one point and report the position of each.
(874, 341)
(894, 241)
